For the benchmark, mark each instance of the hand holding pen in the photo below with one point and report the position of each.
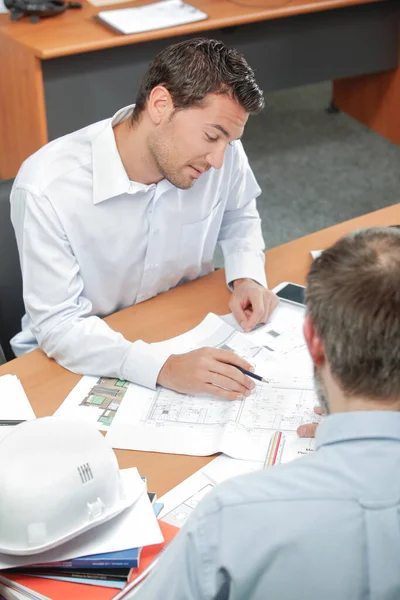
(251, 374)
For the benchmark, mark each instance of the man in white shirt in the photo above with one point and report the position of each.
(129, 207)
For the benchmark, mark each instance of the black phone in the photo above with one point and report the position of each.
(291, 292)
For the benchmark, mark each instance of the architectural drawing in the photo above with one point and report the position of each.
(106, 396)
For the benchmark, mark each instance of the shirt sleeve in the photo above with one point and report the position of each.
(189, 567)
(240, 237)
(60, 314)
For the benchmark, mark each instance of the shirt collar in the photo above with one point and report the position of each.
(109, 176)
(359, 425)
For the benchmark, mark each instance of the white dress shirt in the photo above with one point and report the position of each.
(92, 242)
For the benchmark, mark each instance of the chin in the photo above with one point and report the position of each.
(182, 184)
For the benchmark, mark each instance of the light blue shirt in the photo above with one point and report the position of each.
(324, 527)
(92, 242)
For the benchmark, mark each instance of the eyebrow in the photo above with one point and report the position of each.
(221, 129)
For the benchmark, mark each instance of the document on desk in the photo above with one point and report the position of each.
(14, 404)
(95, 400)
(150, 17)
(166, 421)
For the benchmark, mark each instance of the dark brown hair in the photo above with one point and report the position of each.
(192, 69)
(353, 298)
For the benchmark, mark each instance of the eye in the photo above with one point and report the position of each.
(211, 139)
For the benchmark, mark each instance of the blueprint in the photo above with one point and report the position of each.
(166, 421)
(94, 400)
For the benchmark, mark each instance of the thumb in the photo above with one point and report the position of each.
(308, 430)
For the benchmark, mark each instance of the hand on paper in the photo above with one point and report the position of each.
(251, 303)
(207, 371)
(308, 430)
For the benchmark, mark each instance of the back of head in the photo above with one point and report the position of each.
(353, 298)
(192, 69)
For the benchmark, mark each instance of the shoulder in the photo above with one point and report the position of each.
(303, 479)
(56, 161)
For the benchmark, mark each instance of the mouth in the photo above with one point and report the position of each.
(196, 172)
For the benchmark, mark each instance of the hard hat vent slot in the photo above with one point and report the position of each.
(85, 473)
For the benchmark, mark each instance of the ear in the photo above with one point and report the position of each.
(159, 104)
(314, 343)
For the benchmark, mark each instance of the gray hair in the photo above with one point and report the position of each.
(353, 299)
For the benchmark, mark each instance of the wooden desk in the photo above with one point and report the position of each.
(167, 315)
(68, 71)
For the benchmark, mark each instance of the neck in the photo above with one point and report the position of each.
(339, 402)
(131, 140)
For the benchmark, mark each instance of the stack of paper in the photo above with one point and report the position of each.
(160, 15)
(114, 543)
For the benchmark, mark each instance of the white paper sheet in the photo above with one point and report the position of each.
(135, 527)
(296, 447)
(159, 15)
(95, 400)
(14, 404)
(165, 421)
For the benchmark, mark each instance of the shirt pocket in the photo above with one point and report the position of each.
(198, 239)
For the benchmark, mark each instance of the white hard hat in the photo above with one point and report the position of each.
(58, 478)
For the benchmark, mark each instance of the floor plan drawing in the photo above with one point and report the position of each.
(95, 400)
(106, 396)
(167, 421)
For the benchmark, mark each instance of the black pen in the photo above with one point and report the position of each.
(10, 422)
(251, 374)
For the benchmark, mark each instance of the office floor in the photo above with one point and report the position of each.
(316, 169)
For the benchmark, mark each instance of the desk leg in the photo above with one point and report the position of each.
(23, 127)
(373, 100)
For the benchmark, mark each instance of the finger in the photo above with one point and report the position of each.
(214, 390)
(231, 358)
(318, 410)
(238, 311)
(227, 383)
(257, 313)
(308, 430)
(232, 374)
(273, 302)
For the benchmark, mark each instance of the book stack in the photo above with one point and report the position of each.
(97, 576)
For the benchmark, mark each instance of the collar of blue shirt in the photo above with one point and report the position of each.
(373, 424)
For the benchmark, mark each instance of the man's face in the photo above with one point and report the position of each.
(189, 142)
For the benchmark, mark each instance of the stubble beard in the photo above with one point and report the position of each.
(160, 160)
(319, 389)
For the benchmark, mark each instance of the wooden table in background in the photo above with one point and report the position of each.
(68, 71)
(172, 313)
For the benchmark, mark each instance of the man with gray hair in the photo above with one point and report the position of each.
(327, 525)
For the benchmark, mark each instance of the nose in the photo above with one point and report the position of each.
(216, 157)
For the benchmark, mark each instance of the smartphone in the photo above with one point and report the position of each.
(291, 292)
